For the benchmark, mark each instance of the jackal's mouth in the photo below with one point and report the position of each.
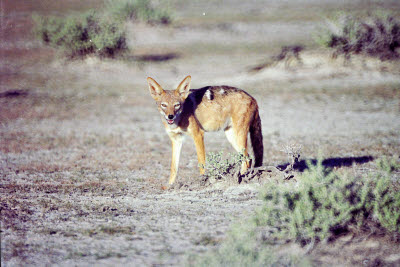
(170, 121)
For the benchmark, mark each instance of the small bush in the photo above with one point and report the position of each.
(218, 168)
(89, 33)
(377, 36)
(243, 247)
(138, 10)
(327, 203)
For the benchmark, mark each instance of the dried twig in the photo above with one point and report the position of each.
(293, 152)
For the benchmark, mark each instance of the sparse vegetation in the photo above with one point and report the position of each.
(80, 35)
(377, 36)
(243, 248)
(138, 10)
(217, 167)
(323, 205)
(327, 202)
(101, 33)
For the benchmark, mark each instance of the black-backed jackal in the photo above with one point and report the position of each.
(211, 108)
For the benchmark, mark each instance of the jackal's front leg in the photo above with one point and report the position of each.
(198, 138)
(177, 141)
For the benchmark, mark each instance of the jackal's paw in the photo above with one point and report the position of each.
(170, 186)
(164, 187)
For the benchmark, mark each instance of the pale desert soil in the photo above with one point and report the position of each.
(83, 154)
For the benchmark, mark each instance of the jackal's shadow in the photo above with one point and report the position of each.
(329, 163)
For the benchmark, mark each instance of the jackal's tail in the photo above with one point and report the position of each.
(257, 139)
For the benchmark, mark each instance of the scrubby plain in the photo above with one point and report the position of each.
(83, 154)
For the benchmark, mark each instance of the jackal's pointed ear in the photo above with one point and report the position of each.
(156, 90)
(184, 87)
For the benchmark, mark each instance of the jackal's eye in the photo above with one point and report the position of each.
(177, 106)
(163, 105)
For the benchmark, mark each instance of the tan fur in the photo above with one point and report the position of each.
(211, 108)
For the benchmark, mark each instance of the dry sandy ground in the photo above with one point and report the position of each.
(83, 154)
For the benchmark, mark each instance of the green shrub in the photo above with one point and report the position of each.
(377, 36)
(139, 10)
(89, 33)
(321, 205)
(326, 202)
(218, 168)
(100, 33)
(387, 194)
(243, 247)
(388, 165)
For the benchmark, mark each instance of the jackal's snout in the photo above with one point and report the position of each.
(170, 119)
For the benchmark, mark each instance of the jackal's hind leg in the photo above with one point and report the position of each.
(239, 143)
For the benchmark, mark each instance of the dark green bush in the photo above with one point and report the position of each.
(377, 36)
(89, 33)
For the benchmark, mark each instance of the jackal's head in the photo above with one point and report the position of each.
(170, 102)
